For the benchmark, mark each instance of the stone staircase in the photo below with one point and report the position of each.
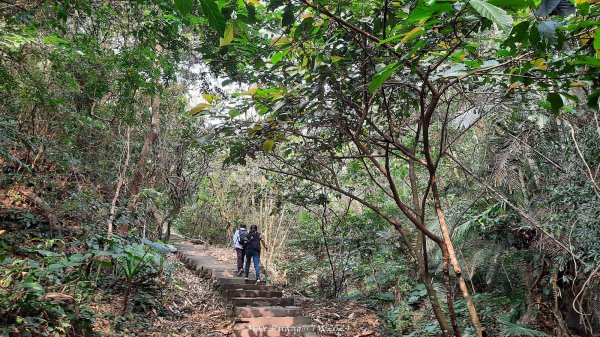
(260, 310)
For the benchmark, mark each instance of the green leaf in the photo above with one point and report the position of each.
(228, 35)
(593, 99)
(423, 12)
(213, 14)
(268, 145)
(210, 98)
(556, 102)
(587, 60)
(160, 247)
(43, 252)
(199, 108)
(514, 329)
(493, 13)
(382, 75)
(184, 6)
(234, 113)
(53, 39)
(34, 286)
(103, 263)
(278, 56)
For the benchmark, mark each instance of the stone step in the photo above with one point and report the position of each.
(234, 280)
(233, 286)
(296, 331)
(189, 258)
(262, 301)
(200, 264)
(195, 254)
(267, 311)
(253, 293)
(211, 264)
(194, 251)
(224, 272)
(276, 321)
(250, 277)
(219, 274)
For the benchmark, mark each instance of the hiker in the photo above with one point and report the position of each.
(238, 242)
(255, 240)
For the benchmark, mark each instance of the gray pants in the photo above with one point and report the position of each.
(240, 258)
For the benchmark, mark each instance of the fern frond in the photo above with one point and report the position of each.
(509, 329)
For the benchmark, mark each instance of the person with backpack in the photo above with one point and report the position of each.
(254, 241)
(239, 240)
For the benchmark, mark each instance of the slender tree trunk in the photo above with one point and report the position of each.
(151, 137)
(451, 254)
(323, 222)
(120, 183)
(421, 255)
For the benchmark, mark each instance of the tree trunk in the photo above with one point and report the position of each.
(151, 137)
(55, 224)
(421, 255)
(451, 254)
(120, 182)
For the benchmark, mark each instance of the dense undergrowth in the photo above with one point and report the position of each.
(54, 279)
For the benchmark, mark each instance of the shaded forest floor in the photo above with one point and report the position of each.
(185, 307)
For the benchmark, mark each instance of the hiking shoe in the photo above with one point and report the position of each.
(240, 272)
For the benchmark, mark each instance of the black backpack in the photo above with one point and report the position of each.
(253, 241)
(243, 239)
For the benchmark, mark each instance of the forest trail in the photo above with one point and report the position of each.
(260, 310)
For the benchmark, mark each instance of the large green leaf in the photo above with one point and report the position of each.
(423, 12)
(184, 6)
(216, 19)
(279, 55)
(382, 75)
(556, 102)
(587, 60)
(200, 108)
(493, 13)
(228, 35)
(234, 113)
(34, 286)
